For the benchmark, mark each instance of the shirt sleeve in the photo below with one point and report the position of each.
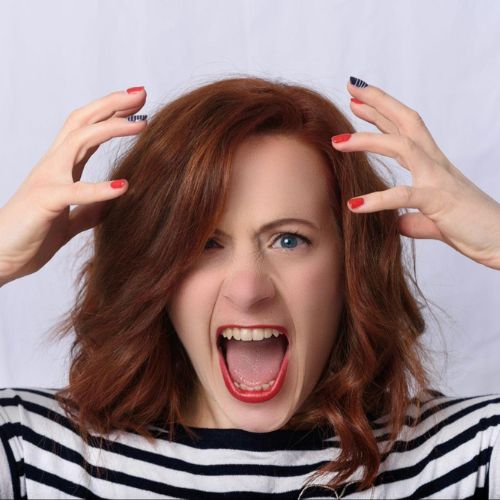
(11, 461)
(494, 471)
(6, 490)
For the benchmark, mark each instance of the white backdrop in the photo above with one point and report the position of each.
(439, 57)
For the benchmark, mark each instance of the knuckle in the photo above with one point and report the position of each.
(73, 139)
(404, 193)
(415, 117)
(405, 149)
(75, 116)
(382, 93)
(78, 188)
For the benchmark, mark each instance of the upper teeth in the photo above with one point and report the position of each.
(250, 333)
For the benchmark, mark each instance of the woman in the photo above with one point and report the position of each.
(246, 323)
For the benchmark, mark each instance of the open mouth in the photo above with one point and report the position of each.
(253, 362)
(223, 341)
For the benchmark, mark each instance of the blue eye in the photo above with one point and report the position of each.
(289, 237)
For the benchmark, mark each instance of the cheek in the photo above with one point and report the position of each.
(318, 286)
(190, 308)
(316, 307)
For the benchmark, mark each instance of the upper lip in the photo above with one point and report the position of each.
(221, 328)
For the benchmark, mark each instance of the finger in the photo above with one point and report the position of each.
(78, 168)
(56, 198)
(84, 217)
(99, 110)
(408, 154)
(107, 106)
(405, 119)
(417, 225)
(371, 115)
(78, 142)
(393, 198)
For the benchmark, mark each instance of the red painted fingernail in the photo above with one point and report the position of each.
(118, 184)
(355, 202)
(134, 90)
(357, 101)
(341, 138)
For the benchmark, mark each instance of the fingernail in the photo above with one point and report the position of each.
(357, 101)
(135, 90)
(341, 138)
(355, 202)
(134, 118)
(357, 82)
(118, 184)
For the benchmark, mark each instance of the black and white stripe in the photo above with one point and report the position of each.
(134, 118)
(357, 82)
(454, 452)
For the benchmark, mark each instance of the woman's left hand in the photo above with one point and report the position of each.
(452, 208)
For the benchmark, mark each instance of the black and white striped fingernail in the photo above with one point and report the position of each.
(357, 82)
(134, 118)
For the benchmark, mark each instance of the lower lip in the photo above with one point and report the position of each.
(253, 396)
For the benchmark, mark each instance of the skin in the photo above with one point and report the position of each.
(250, 277)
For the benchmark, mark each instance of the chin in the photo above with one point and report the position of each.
(261, 426)
(260, 417)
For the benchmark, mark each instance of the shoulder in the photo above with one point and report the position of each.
(22, 405)
(459, 414)
(29, 415)
(453, 447)
(25, 418)
(438, 411)
(32, 417)
(453, 420)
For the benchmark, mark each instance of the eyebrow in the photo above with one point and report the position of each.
(275, 223)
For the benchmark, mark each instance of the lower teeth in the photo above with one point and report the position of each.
(262, 387)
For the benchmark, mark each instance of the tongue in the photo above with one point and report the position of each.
(254, 362)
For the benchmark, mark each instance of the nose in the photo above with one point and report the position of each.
(247, 286)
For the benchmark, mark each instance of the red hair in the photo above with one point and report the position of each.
(128, 367)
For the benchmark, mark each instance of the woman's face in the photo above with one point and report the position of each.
(249, 276)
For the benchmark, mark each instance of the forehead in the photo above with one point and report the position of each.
(280, 174)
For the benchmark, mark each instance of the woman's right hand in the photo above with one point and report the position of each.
(36, 222)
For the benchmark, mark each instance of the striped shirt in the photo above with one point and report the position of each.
(454, 452)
